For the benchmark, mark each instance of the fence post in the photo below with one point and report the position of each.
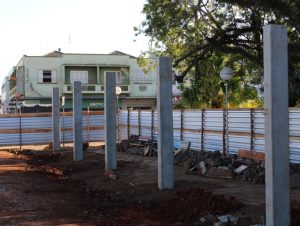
(55, 119)
(276, 125)
(152, 124)
(224, 132)
(88, 119)
(139, 122)
(63, 126)
(77, 121)
(110, 122)
(128, 124)
(181, 124)
(118, 128)
(20, 131)
(202, 128)
(165, 124)
(252, 129)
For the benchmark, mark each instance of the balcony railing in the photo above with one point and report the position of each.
(124, 88)
(94, 88)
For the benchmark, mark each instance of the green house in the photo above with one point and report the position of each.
(33, 79)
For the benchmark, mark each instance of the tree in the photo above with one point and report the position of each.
(194, 30)
(205, 89)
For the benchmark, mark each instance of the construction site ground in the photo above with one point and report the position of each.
(39, 187)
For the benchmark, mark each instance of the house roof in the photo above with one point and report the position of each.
(54, 54)
(58, 53)
(116, 52)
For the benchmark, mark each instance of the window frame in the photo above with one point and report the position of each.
(43, 77)
(118, 74)
(84, 73)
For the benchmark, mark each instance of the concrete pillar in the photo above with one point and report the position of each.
(165, 124)
(77, 121)
(276, 125)
(110, 121)
(55, 119)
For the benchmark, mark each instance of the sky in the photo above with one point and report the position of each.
(37, 27)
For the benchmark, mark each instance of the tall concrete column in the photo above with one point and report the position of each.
(110, 121)
(276, 125)
(55, 119)
(165, 124)
(77, 121)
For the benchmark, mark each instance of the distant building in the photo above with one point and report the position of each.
(32, 80)
(6, 105)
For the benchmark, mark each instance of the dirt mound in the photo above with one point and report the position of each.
(190, 205)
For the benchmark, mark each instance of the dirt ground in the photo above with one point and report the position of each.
(39, 187)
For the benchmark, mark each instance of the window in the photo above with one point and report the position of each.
(143, 88)
(47, 76)
(119, 77)
(82, 76)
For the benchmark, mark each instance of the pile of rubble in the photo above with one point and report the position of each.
(216, 165)
(246, 165)
(139, 145)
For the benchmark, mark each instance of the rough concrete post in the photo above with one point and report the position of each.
(165, 124)
(55, 119)
(77, 121)
(276, 125)
(110, 122)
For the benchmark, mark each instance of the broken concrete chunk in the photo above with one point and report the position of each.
(211, 163)
(220, 172)
(202, 167)
(240, 169)
(146, 150)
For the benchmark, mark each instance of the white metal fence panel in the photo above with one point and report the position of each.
(192, 124)
(259, 122)
(146, 123)
(36, 123)
(134, 122)
(239, 121)
(239, 128)
(123, 117)
(246, 128)
(155, 131)
(213, 120)
(37, 128)
(213, 141)
(259, 130)
(176, 125)
(294, 135)
(237, 142)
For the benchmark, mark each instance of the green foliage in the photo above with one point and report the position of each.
(207, 90)
(146, 63)
(229, 31)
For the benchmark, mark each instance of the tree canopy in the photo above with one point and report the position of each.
(192, 31)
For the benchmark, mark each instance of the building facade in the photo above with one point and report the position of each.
(6, 106)
(32, 80)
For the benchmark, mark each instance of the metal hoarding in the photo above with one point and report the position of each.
(246, 128)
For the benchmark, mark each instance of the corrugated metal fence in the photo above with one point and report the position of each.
(36, 128)
(204, 128)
